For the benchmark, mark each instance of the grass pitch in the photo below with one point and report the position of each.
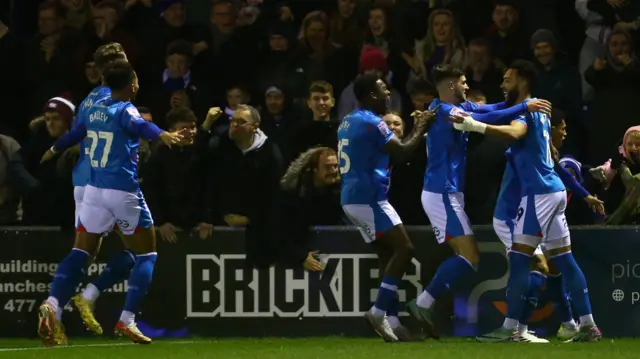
(320, 348)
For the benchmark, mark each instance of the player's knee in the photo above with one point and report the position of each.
(466, 247)
(405, 250)
(141, 241)
(87, 242)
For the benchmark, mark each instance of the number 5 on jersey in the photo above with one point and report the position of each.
(344, 168)
(95, 138)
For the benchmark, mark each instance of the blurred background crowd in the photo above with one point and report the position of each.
(295, 62)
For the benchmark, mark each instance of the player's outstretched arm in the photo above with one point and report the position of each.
(503, 117)
(490, 107)
(68, 140)
(512, 132)
(402, 149)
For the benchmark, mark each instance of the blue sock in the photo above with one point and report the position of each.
(116, 270)
(394, 307)
(68, 275)
(448, 274)
(536, 281)
(557, 293)
(518, 284)
(575, 281)
(386, 294)
(140, 281)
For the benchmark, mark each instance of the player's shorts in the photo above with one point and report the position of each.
(543, 217)
(372, 220)
(446, 214)
(102, 208)
(78, 194)
(504, 231)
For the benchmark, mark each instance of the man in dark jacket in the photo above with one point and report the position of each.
(245, 171)
(309, 195)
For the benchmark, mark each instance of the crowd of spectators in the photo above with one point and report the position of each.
(295, 62)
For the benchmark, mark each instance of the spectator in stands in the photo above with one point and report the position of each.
(477, 96)
(372, 62)
(346, 26)
(443, 44)
(396, 48)
(90, 79)
(107, 27)
(615, 80)
(507, 38)
(10, 206)
(620, 179)
(171, 26)
(50, 56)
(410, 173)
(244, 174)
(321, 129)
(46, 196)
(559, 83)
(421, 93)
(78, 13)
(144, 150)
(172, 179)
(483, 71)
(12, 72)
(278, 63)
(309, 195)
(277, 120)
(177, 83)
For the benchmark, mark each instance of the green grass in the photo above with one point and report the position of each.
(324, 348)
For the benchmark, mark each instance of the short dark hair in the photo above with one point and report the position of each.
(240, 87)
(119, 75)
(144, 110)
(116, 5)
(526, 70)
(321, 86)
(180, 47)
(180, 114)
(445, 72)
(107, 54)
(54, 5)
(364, 86)
(557, 116)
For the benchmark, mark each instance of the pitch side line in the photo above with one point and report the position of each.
(90, 346)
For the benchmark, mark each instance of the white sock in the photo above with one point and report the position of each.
(53, 301)
(127, 318)
(510, 323)
(522, 328)
(59, 311)
(377, 312)
(91, 293)
(587, 321)
(570, 324)
(394, 321)
(425, 300)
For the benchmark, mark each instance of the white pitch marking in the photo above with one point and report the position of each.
(90, 346)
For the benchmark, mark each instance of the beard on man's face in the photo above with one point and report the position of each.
(511, 97)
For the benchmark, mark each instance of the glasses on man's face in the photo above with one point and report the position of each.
(238, 122)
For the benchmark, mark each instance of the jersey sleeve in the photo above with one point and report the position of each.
(133, 121)
(71, 138)
(522, 119)
(480, 108)
(501, 117)
(570, 182)
(382, 132)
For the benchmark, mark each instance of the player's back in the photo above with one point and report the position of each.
(364, 166)
(82, 170)
(510, 192)
(447, 149)
(533, 158)
(114, 149)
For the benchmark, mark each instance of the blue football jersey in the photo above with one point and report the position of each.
(447, 149)
(364, 165)
(532, 156)
(510, 192)
(82, 170)
(114, 138)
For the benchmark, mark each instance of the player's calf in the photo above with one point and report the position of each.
(559, 253)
